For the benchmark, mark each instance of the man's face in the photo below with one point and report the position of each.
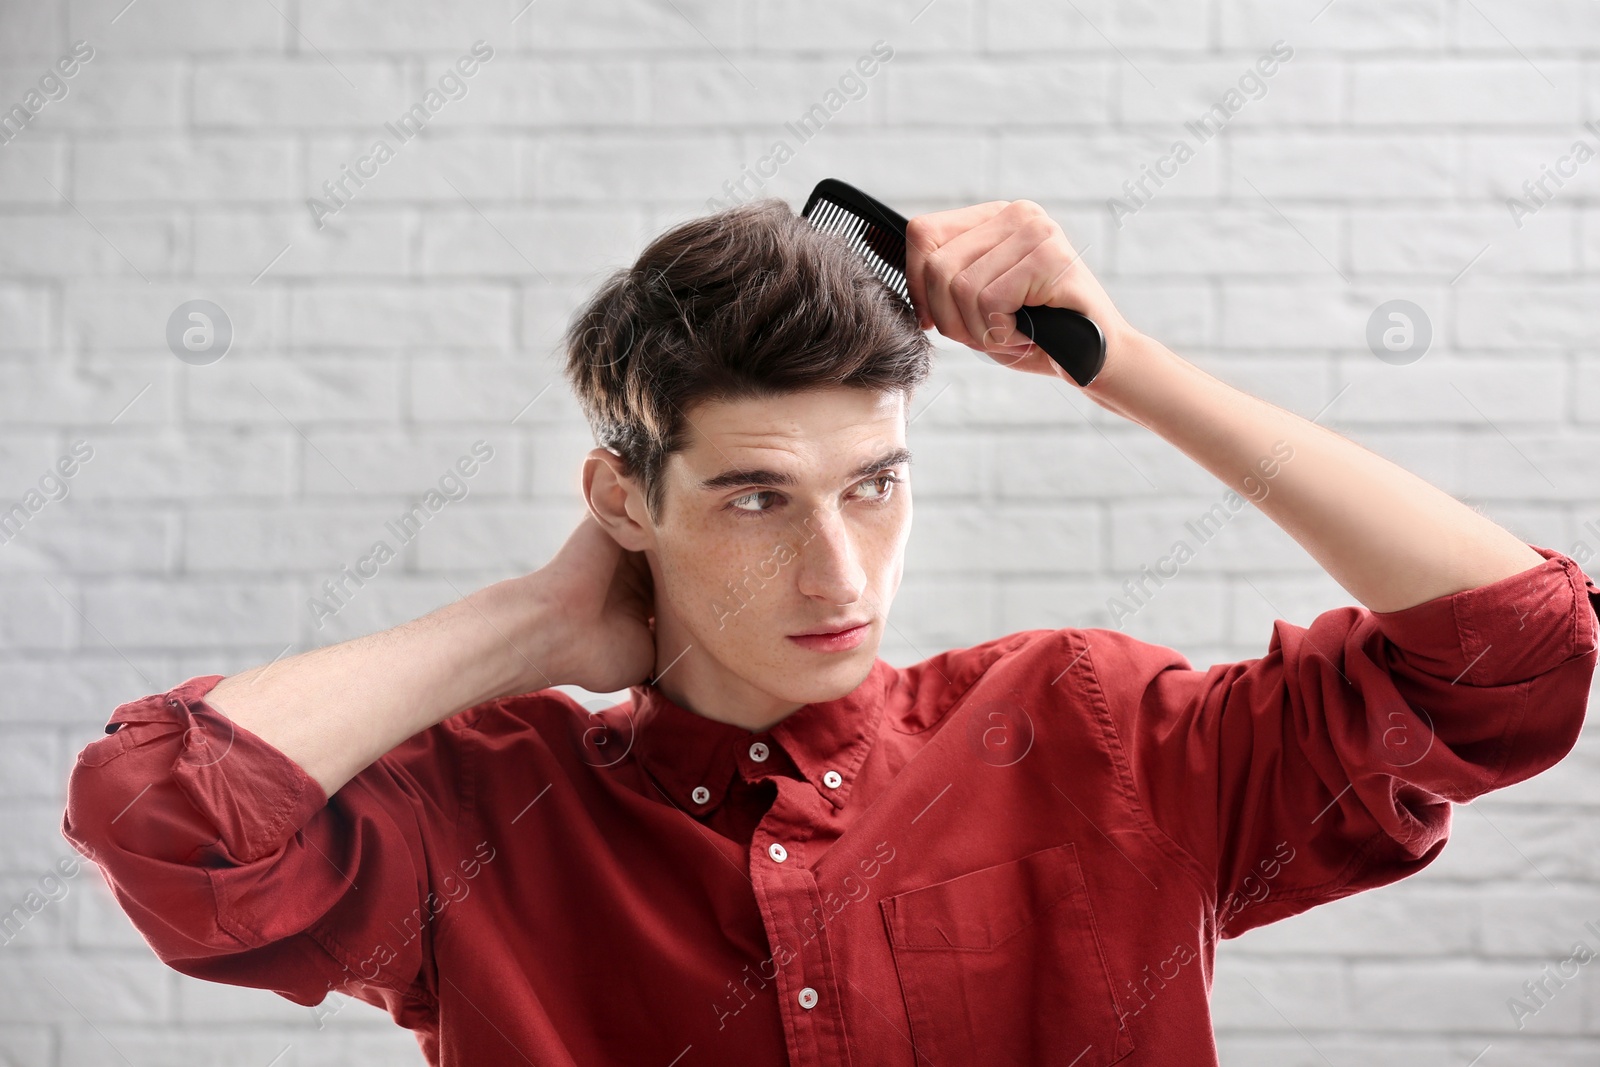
(782, 517)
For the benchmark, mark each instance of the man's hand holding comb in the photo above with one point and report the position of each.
(969, 269)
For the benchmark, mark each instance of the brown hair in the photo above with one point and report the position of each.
(745, 303)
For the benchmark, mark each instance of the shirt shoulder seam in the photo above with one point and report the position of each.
(1101, 708)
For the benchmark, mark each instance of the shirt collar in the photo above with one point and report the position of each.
(686, 751)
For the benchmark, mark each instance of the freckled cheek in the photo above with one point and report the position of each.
(700, 563)
(897, 569)
(879, 554)
(701, 560)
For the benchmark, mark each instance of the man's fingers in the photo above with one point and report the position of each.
(925, 233)
(973, 282)
(966, 254)
(929, 231)
(993, 286)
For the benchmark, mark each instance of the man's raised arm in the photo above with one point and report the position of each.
(334, 710)
(1387, 536)
(202, 805)
(1390, 538)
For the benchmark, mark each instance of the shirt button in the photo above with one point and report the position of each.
(701, 794)
(808, 998)
(777, 852)
(758, 752)
(832, 780)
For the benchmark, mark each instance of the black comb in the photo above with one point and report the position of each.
(878, 234)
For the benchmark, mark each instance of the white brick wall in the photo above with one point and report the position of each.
(371, 351)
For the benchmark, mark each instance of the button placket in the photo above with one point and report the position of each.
(790, 900)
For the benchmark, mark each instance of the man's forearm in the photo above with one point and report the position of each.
(335, 710)
(1388, 537)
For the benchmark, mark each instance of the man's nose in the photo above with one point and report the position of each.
(829, 567)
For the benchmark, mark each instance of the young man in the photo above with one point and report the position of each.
(781, 848)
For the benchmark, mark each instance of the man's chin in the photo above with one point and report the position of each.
(817, 678)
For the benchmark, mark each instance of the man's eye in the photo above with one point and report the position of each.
(888, 481)
(749, 503)
(736, 502)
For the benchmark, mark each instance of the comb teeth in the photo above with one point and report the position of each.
(883, 250)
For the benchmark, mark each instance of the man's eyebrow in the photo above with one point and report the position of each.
(760, 476)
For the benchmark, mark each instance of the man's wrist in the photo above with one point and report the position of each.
(521, 654)
(1131, 358)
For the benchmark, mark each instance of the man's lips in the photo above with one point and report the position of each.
(833, 629)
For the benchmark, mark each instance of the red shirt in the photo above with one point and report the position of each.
(1015, 853)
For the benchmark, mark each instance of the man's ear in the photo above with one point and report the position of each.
(615, 500)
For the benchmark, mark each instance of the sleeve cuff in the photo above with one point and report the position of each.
(1508, 631)
(254, 794)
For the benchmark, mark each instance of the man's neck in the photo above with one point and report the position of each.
(723, 699)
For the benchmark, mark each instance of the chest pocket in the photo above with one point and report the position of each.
(1003, 966)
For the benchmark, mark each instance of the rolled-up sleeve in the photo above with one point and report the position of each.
(1328, 766)
(237, 868)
